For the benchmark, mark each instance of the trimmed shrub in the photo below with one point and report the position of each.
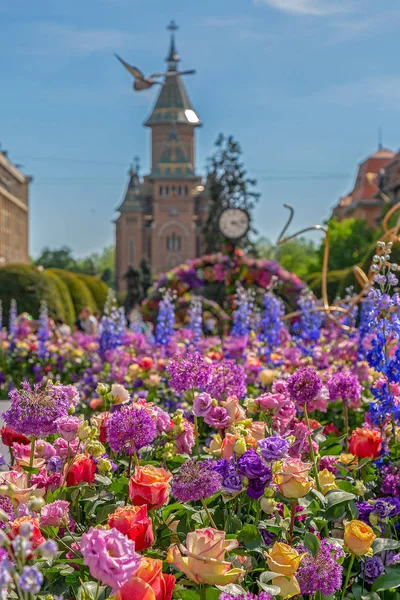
(28, 286)
(65, 296)
(80, 293)
(98, 288)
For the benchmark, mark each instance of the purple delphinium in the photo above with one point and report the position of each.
(273, 448)
(30, 580)
(189, 372)
(343, 385)
(35, 410)
(304, 386)
(43, 333)
(55, 464)
(129, 429)
(320, 573)
(372, 569)
(195, 480)
(7, 507)
(391, 480)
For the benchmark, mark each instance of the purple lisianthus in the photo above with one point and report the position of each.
(304, 386)
(129, 429)
(273, 448)
(256, 487)
(232, 482)
(196, 480)
(218, 417)
(251, 466)
(68, 427)
(372, 569)
(202, 404)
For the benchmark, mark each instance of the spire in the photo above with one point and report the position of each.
(173, 56)
(380, 146)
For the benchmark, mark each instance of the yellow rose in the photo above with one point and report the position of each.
(349, 461)
(327, 481)
(358, 537)
(203, 558)
(283, 559)
(289, 586)
(292, 478)
(266, 376)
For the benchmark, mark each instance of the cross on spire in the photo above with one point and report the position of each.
(173, 56)
(173, 26)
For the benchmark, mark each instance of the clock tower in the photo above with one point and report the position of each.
(162, 213)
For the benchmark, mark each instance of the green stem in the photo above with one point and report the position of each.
(312, 453)
(292, 519)
(346, 424)
(31, 457)
(97, 590)
(208, 513)
(346, 581)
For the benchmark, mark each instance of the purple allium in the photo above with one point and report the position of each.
(228, 379)
(30, 580)
(304, 386)
(195, 480)
(250, 465)
(273, 448)
(130, 428)
(34, 411)
(321, 573)
(189, 372)
(372, 569)
(245, 596)
(7, 507)
(343, 385)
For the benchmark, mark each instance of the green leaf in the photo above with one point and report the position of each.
(119, 486)
(251, 537)
(104, 511)
(383, 544)
(233, 524)
(212, 593)
(335, 497)
(88, 591)
(334, 450)
(390, 579)
(266, 577)
(311, 542)
(232, 588)
(186, 595)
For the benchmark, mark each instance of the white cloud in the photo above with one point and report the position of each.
(310, 7)
(382, 91)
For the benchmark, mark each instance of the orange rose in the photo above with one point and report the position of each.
(36, 539)
(146, 363)
(292, 479)
(149, 485)
(365, 443)
(149, 583)
(133, 522)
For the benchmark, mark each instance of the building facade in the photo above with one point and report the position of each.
(14, 213)
(162, 214)
(363, 202)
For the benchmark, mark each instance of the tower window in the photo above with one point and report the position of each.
(174, 242)
(131, 251)
(161, 190)
(186, 190)
(167, 190)
(179, 190)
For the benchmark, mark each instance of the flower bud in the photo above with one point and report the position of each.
(104, 466)
(102, 389)
(240, 446)
(268, 505)
(36, 504)
(84, 431)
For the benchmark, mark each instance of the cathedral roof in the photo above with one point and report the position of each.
(173, 161)
(173, 104)
(133, 199)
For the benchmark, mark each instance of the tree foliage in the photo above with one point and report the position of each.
(227, 186)
(350, 242)
(299, 256)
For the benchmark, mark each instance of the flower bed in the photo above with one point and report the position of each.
(261, 465)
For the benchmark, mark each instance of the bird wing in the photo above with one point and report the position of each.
(158, 75)
(137, 73)
(191, 72)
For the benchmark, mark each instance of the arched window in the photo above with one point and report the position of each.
(167, 190)
(174, 242)
(186, 190)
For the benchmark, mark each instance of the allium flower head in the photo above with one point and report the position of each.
(344, 386)
(321, 573)
(304, 386)
(227, 379)
(130, 428)
(7, 507)
(246, 596)
(35, 410)
(189, 372)
(195, 480)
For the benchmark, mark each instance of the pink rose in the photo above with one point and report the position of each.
(55, 514)
(68, 427)
(270, 401)
(186, 440)
(202, 404)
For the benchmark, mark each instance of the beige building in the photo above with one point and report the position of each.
(162, 214)
(14, 213)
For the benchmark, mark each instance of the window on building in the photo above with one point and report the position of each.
(161, 190)
(179, 190)
(186, 190)
(174, 242)
(131, 251)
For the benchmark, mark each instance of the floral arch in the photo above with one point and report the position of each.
(215, 276)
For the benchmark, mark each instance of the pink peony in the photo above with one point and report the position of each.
(55, 514)
(61, 447)
(68, 427)
(270, 401)
(202, 404)
(110, 556)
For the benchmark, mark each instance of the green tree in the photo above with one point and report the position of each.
(350, 241)
(299, 256)
(146, 278)
(60, 258)
(227, 185)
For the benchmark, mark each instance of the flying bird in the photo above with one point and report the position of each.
(144, 83)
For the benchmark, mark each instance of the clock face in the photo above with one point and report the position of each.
(234, 223)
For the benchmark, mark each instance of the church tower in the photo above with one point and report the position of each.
(161, 216)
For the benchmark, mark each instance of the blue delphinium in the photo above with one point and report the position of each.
(196, 317)
(271, 324)
(165, 319)
(242, 315)
(43, 332)
(307, 329)
(112, 325)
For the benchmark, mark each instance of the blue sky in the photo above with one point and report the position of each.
(304, 85)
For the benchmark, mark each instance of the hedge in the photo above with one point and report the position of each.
(80, 293)
(65, 296)
(28, 286)
(98, 288)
